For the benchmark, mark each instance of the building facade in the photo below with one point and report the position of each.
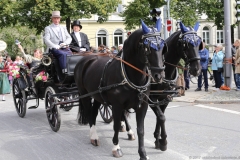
(112, 32)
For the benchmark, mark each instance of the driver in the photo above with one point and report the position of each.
(57, 38)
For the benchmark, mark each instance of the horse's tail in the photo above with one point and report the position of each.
(85, 103)
(83, 114)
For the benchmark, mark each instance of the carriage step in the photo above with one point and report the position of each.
(32, 107)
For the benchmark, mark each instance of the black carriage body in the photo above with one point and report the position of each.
(23, 91)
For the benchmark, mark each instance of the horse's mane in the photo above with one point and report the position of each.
(172, 36)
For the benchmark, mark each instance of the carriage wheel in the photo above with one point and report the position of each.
(68, 107)
(52, 111)
(19, 98)
(106, 113)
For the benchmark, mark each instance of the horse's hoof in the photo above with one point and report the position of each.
(163, 147)
(95, 142)
(122, 129)
(131, 137)
(147, 158)
(117, 153)
(160, 144)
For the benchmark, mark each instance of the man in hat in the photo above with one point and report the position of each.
(79, 40)
(57, 38)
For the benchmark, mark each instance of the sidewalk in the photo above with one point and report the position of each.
(212, 96)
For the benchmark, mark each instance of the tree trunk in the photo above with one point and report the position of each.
(68, 24)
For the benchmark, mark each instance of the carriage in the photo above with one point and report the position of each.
(57, 88)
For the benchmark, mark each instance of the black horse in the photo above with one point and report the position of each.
(181, 44)
(120, 85)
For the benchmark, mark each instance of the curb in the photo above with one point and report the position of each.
(217, 101)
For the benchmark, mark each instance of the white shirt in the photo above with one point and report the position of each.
(57, 28)
(77, 34)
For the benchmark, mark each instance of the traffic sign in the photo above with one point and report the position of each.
(169, 25)
(3, 45)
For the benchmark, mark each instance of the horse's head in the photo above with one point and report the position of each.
(191, 43)
(152, 46)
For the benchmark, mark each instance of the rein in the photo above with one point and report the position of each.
(115, 57)
(176, 66)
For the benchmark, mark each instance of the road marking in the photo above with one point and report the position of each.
(210, 150)
(167, 107)
(218, 109)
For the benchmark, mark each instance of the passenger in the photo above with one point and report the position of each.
(79, 40)
(57, 38)
(4, 83)
(32, 60)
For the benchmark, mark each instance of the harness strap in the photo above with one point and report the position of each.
(102, 81)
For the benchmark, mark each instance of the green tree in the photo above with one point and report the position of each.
(139, 9)
(25, 35)
(36, 13)
(188, 11)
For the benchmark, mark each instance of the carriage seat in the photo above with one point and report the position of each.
(72, 61)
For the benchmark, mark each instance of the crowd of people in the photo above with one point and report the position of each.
(215, 65)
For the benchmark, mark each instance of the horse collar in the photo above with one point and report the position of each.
(127, 81)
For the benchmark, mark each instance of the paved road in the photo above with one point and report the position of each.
(209, 131)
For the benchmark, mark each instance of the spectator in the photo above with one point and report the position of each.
(114, 50)
(235, 46)
(187, 79)
(204, 55)
(18, 61)
(180, 80)
(93, 49)
(8, 63)
(237, 69)
(4, 83)
(120, 47)
(101, 48)
(217, 65)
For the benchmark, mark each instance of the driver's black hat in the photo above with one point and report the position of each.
(77, 23)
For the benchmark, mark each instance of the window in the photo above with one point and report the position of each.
(118, 37)
(206, 35)
(120, 7)
(220, 35)
(102, 37)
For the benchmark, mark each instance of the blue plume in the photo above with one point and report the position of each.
(145, 28)
(196, 26)
(183, 28)
(159, 25)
